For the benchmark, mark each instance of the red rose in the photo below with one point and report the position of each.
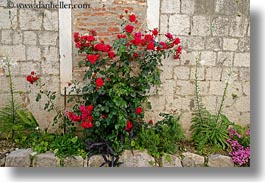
(32, 77)
(169, 35)
(76, 34)
(111, 54)
(99, 83)
(86, 124)
(155, 32)
(149, 38)
(129, 28)
(132, 18)
(135, 55)
(129, 126)
(151, 46)
(138, 110)
(93, 32)
(91, 58)
(176, 41)
(90, 38)
(90, 108)
(73, 117)
(151, 121)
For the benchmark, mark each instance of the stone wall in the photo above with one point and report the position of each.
(28, 158)
(29, 37)
(218, 29)
(219, 32)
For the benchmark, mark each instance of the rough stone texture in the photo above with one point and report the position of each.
(238, 27)
(30, 19)
(213, 43)
(33, 53)
(208, 58)
(50, 20)
(19, 158)
(8, 18)
(220, 26)
(48, 38)
(47, 159)
(187, 6)
(171, 161)
(181, 24)
(200, 26)
(192, 160)
(217, 160)
(230, 44)
(30, 38)
(242, 59)
(96, 161)
(139, 159)
(170, 6)
(76, 161)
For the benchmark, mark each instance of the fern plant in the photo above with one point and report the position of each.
(207, 128)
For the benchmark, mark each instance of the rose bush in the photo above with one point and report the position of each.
(117, 80)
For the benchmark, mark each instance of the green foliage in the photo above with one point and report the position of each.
(63, 145)
(160, 138)
(208, 129)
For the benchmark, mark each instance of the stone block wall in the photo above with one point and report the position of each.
(218, 32)
(29, 37)
(217, 29)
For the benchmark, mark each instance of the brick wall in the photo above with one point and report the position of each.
(104, 17)
(218, 29)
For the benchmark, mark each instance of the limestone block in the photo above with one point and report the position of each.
(76, 161)
(204, 7)
(217, 160)
(179, 24)
(243, 104)
(239, 26)
(244, 119)
(8, 18)
(200, 26)
(30, 19)
(230, 44)
(214, 73)
(208, 58)
(14, 52)
(6, 36)
(244, 73)
(244, 45)
(195, 43)
(181, 73)
(164, 24)
(213, 43)
(171, 161)
(220, 26)
(96, 161)
(139, 159)
(192, 160)
(188, 6)
(184, 88)
(48, 38)
(47, 159)
(225, 7)
(19, 158)
(170, 6)
(242, 59)
(167, 72)
(225, 59)
(216, 88)
(27, 67)
(33, 53)
(30, 38)
(246, 88)
(50, 20)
